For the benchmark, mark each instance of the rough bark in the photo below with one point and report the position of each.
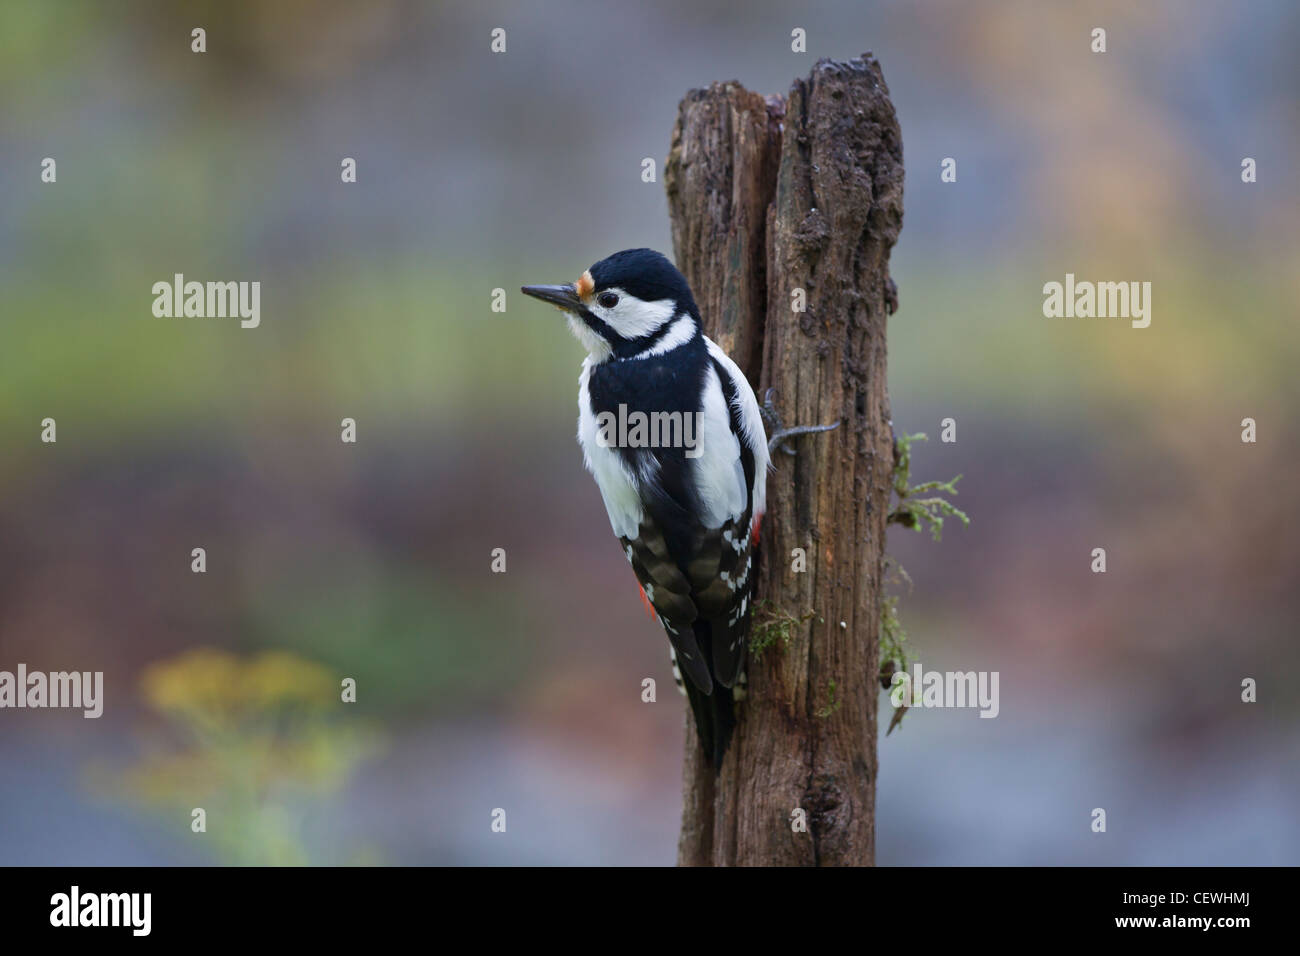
(767, 196)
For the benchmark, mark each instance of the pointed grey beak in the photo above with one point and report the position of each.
(564, 296)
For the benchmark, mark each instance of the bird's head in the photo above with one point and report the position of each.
(625, 304)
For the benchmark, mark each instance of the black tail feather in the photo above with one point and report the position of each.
(715, 719)
(724, 722)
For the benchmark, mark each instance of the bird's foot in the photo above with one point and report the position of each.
(772, 419)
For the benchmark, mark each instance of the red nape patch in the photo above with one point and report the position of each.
(649, 608)
(753, 528)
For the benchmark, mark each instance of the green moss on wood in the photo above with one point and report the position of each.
(917, 505)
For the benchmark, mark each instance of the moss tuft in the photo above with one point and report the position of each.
(917, 506)
(773, 626)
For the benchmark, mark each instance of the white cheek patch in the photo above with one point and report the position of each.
(632, 318)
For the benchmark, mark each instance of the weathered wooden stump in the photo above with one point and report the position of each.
(772, 201)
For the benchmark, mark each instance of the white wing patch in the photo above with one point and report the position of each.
(719, 476)
(751, 423)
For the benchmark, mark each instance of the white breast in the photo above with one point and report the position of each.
(618, 486)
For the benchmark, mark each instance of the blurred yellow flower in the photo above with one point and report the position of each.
(198, 680)
(274, 677)
(260, 741)
(215, 686)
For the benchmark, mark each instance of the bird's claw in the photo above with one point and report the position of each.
(784, 433)
(773, 420)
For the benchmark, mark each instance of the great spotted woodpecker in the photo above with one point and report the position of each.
(687, 512)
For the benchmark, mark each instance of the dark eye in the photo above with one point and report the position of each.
(607, 300)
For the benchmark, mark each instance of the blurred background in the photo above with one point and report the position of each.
(521, 690)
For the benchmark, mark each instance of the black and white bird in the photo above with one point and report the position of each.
(687, 515)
